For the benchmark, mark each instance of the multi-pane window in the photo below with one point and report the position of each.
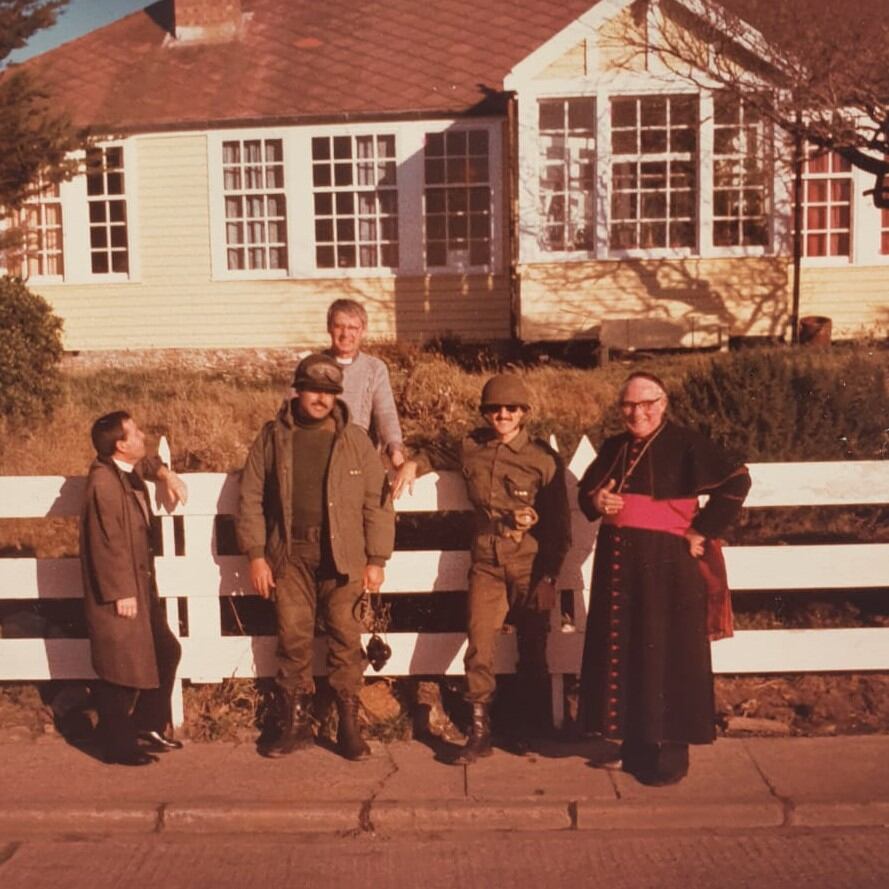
(653, 171)
(567, 173)
(827, 200)
(255, 206)
(740, 176)
(884, 231)
(106, 197)
(40, 221)
(356, 201)
(457, 198)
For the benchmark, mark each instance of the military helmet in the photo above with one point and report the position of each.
(505, 389)
(319, 373)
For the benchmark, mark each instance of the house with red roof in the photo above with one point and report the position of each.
(484, 170)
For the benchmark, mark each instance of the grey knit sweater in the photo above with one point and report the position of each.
(368, 395)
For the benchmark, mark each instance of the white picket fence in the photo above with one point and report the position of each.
(201, 577)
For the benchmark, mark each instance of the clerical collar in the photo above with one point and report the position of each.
(123, 467)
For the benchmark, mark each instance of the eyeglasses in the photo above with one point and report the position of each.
(629, 406)
(496, 408)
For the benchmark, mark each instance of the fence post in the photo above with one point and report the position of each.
(168, 541)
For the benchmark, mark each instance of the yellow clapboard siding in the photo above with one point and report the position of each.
(656, 303)
(617, 39)
(571, 64)
(176, 303)
(855, 298)
(276, 313)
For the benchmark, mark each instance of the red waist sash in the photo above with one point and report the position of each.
(675, 517)
(671, 516)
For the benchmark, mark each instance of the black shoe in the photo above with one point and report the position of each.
(348, 735)
(478, 745)
(296, 733)
(130, 758)
(659, 779)
(158, 742)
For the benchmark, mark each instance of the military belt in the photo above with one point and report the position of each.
(305, 533)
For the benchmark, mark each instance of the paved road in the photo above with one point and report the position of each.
(764, 859)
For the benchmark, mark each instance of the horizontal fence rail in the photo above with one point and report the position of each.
(195, 582)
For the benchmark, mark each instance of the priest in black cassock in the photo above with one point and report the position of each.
(646, 677)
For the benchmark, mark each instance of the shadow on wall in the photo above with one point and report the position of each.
(438, 279)
(663, 303)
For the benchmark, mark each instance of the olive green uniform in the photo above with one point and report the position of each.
(503, 480)
(317, 566)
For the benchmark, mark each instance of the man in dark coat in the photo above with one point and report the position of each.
(646, 676)
(134, 653)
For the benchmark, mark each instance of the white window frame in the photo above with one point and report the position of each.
(567, 133)
(244, 194)
(841, 260)
(656, 157)
(299, 192)
(767, 146)
(356, 188)
(530, 92)
(39, 202)
(76, 225)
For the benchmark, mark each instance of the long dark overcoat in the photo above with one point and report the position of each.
(116, 563)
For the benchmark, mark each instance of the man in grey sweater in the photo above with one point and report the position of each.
(366, 387)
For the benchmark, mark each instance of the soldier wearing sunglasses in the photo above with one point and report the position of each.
(520, 536)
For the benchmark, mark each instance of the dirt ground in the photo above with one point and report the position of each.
(799, 705)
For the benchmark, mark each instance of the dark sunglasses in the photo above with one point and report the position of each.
(495, 408)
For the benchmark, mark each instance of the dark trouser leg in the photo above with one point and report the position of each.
(295, 600)
(339, 603)
(653, 763)
(152, 710)
(672, 762)
(636, 756)
(487, 608)
(116, 730)
(533, 674)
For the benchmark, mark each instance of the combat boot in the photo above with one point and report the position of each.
(479, 742)
(296, 726)
(348, 734)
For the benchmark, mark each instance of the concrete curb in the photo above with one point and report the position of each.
(125, 818)
(827, 814)
(225, 817)
(470, 814)
(639, 815)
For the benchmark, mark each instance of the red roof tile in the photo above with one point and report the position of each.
(302, 59)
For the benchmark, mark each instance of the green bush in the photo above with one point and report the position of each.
(782, 405)
(30, 352)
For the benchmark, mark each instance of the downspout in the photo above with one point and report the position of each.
(798, 160)
(512, 224)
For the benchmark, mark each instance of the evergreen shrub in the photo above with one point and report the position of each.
(781, 405)
(30, 352)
